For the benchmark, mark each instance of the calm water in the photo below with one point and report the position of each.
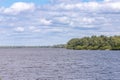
(58, 64)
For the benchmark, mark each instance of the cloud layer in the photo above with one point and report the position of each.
(19, 7)
(59, 21)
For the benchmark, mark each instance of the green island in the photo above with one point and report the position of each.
(95, 43)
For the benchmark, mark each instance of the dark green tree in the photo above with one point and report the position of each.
(95, 43)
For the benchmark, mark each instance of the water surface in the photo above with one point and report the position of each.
(58, 64)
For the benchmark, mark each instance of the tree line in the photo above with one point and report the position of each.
(95, 43)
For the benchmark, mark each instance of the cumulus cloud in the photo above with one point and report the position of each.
(80, 5)
(63, 20)
(19, 7)
(67, 14)
(34, 29)
(54, 30)
(44, 21)
(91, 6)
(19, 29)
(111, 0)
(88, 20)
(113, 5)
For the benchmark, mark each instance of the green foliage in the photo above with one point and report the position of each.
(95, 43)
(59, 46)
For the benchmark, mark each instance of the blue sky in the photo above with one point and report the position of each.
(7, 3)
(49, 22)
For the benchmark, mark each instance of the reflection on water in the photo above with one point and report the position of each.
(58, 64)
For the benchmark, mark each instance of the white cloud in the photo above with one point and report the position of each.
(82, 22)
(113, 5)
(2, 31)
(111, 0)
(91, 6)
(63, 19)
(19, 7)
(37, 30)
(44, 21)
(34, 29)
(19, 29)
(80, 5)
(1, 9)
(54, 30)
(1, 18)
(107, 0)
(88, 20)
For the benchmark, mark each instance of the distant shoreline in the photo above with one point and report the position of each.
(49, 46)
(24, 47)
(29, 47)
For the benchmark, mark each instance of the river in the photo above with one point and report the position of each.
(58, 64)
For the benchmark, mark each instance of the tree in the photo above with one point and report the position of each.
(95, 42)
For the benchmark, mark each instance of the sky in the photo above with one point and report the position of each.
(50, 22)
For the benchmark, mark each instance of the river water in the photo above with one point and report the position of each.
(58, 64)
